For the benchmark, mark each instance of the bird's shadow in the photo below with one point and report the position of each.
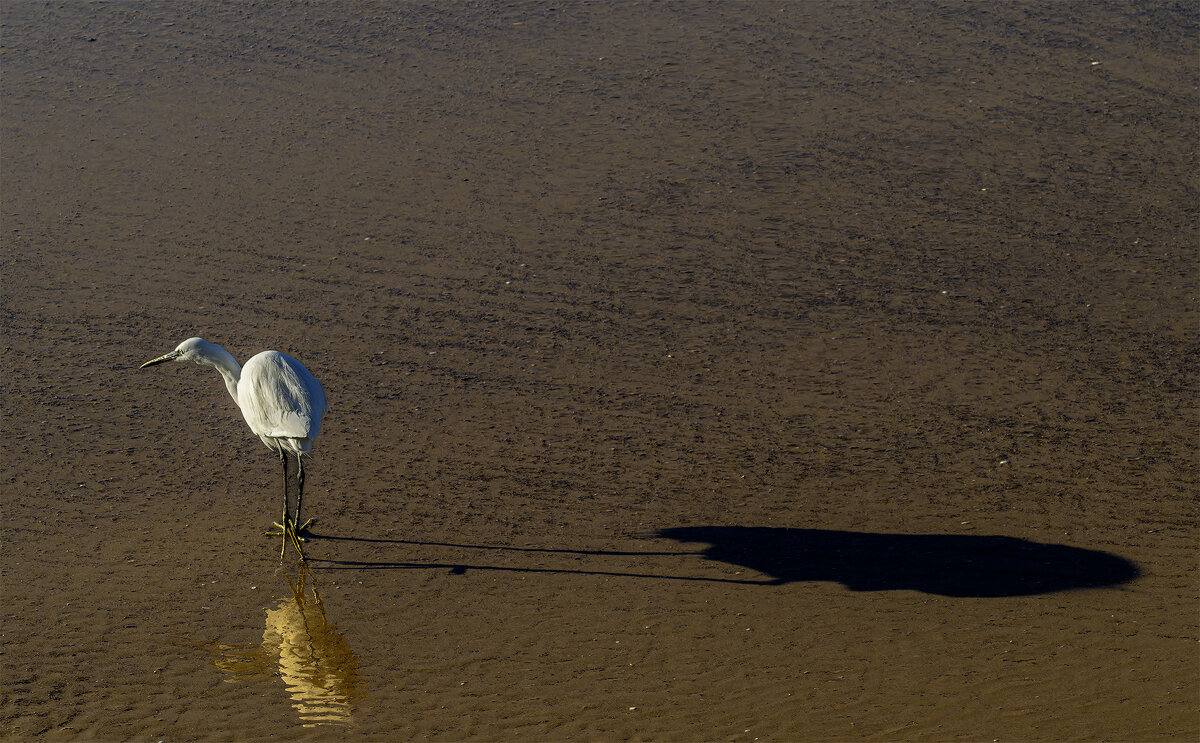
(958, 565)
(962, 565)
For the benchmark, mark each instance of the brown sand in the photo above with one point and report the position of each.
(764, 371)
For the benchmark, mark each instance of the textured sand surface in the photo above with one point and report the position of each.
(699, 371)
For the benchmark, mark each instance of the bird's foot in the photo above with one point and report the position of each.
(300, 531)
(290, 534)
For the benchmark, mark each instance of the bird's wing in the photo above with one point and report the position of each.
(279, 398)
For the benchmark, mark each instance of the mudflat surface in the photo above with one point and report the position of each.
(699, 371)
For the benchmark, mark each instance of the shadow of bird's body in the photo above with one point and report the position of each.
(961, 565)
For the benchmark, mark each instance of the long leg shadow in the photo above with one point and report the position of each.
(500, 548)
(460, 568)
(959, 565)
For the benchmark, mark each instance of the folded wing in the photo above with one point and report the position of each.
(280, 399)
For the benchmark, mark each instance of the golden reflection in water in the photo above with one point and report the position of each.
(301, 647)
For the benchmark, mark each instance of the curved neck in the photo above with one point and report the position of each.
(221, 359)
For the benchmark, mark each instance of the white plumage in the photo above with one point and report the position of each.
(281, 401)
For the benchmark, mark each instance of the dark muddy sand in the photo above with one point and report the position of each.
(699, 371)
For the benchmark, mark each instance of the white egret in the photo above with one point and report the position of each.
(281, 402)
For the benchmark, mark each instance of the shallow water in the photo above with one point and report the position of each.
(725, 371)
(302, 649)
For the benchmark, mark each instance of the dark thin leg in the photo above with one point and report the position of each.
(283, 461)
(299, 485)
(287, 527)
(300, 527)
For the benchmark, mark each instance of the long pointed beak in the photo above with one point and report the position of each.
(165, 357)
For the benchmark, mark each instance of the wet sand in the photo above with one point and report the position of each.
(739, 371)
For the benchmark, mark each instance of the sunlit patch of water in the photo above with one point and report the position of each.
(303, 649)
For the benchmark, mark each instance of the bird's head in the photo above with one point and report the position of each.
(193, 349)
